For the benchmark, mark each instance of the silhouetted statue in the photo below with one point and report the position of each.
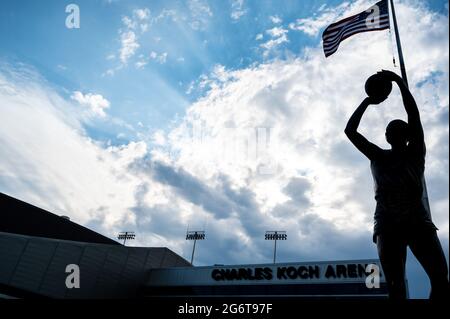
(402, 217)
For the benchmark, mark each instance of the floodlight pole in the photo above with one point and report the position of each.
(193, 252)
(194, 235)
(275, 235)
(275, 249)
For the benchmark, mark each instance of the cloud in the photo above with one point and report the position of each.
(96, 103)
(158, 137)
(166, 13)
(312, 25)
(276, 32)
(237, 10)
(278, 36)
(134, 26)
(139, 18)
(141, 63)
(129, 23)
(142, 14)
(200, 14)
(160, 58)
(49, 161)
(129, 45)
(137, 23)
(109, 72)
(275, 19)
(194, 190)
(298, 203)
(214, 79)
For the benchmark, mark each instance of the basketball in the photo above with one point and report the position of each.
(378, 87)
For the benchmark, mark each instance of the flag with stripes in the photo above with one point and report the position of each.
(374, 18)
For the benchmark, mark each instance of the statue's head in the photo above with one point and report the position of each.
(397, 133)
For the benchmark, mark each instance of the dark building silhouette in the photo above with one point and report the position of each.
(36, 246)
(18, 217)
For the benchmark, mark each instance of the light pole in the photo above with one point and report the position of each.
(126, 235)
(195, 235)
(275, 235)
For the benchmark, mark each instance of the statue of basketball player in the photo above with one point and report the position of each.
(402, 217)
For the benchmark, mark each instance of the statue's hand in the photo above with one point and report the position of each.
(389, 75)
(374, 101)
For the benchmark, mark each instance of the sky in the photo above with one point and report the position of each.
(162, 116)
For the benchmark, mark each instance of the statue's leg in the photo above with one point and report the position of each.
(425, 245)
(392, 252)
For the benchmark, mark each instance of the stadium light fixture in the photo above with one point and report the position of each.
(195, 235)
(275, 235)
(126, 235)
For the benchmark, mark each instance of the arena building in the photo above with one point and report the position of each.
(43, 255)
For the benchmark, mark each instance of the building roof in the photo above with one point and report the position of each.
(19, 217)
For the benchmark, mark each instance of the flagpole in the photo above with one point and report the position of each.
(399, 45)
(425, 198)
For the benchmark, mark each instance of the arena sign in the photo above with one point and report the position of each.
(311, 272)
(323, 272)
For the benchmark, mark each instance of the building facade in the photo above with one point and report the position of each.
(325, 279)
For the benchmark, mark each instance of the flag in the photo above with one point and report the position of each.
(374, 18)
